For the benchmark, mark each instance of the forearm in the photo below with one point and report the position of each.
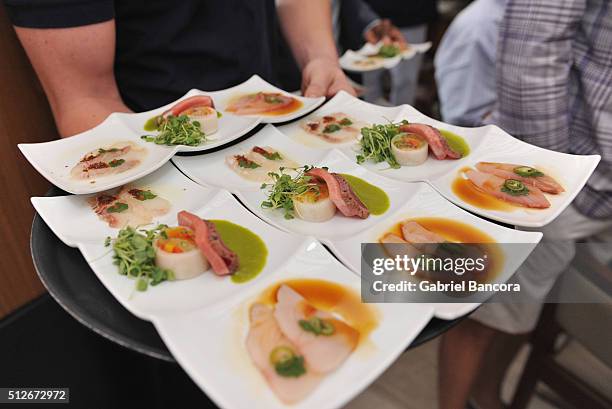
(84, 112)
(533, 72)
(307, 25)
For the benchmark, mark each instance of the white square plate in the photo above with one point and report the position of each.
(76, 225)
(339, 226)
(231, 127)
(341, 103)
(349, 60)
(209, 344)
(54, 160)
(211, 170)
(208, 289)
(257, 84)
(426, 202)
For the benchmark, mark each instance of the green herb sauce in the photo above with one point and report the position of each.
(151, 124)
(456, 142)
(375, 199)
(250, 248)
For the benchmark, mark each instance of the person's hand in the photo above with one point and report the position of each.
(386, 32)
(324, 77)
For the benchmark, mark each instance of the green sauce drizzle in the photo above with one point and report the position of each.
(375, 199)
(250, 248)
(456, 142)
(151, 124)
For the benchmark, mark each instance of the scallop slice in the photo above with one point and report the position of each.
(313, 206)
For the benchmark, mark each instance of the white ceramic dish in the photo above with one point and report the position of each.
(211, 169)
(209, 344)
(231, 127)
(492, 144)
(54, 160)
(208, 289)
(350, 60)
(76, 225)
(341, 103)
(257, 84)
(338, 227)
(426, 202)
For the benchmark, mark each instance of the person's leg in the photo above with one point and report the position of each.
(461, 353)
(405, 75)
(486, 390)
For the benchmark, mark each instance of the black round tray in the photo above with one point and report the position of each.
(73, 285)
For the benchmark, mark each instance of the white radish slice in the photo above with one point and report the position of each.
(188, 264)
(206, 116)
(409, 149)
(314, 208)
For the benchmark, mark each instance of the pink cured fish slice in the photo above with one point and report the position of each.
(259, 103)
(506, 170)
(322, 353)
(222, 260)
(341, 193)
(492, 185)
(420, 237)
(263, 337)
(195, 101)
(437, 143)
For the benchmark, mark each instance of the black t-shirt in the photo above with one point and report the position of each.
(165, 48)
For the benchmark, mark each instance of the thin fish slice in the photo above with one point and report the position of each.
(263, 337)
(492, 185)
(506, 170)
(222, 260)
(259, 103)
(322, 353)
(341, 194)
(437, 143)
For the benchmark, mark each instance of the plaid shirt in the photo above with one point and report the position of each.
(554, 84)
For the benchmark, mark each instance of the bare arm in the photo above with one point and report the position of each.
(75, 67)
(307, 25)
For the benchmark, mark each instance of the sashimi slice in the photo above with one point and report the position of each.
(263, 337)
(420, 237)
(222, 260)
(259, 103)
(195, 101)
(117, 158)
(492, 185)
(322, 353)
(397, 246)
(341, 193)
(437, 143)
(507, 171)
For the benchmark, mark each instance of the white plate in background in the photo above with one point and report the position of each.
(209, 344)
(257, 84)
(349, 60)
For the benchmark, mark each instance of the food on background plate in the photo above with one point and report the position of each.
(189, 122)
(334, 128)
(109, 160)
(314, 194)
(302, 330)
(257, 163)
(526, 174)
(172, 253)
(128, 206)
(397, 144)
(437, 238)
(509, 190)
(264, 103)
